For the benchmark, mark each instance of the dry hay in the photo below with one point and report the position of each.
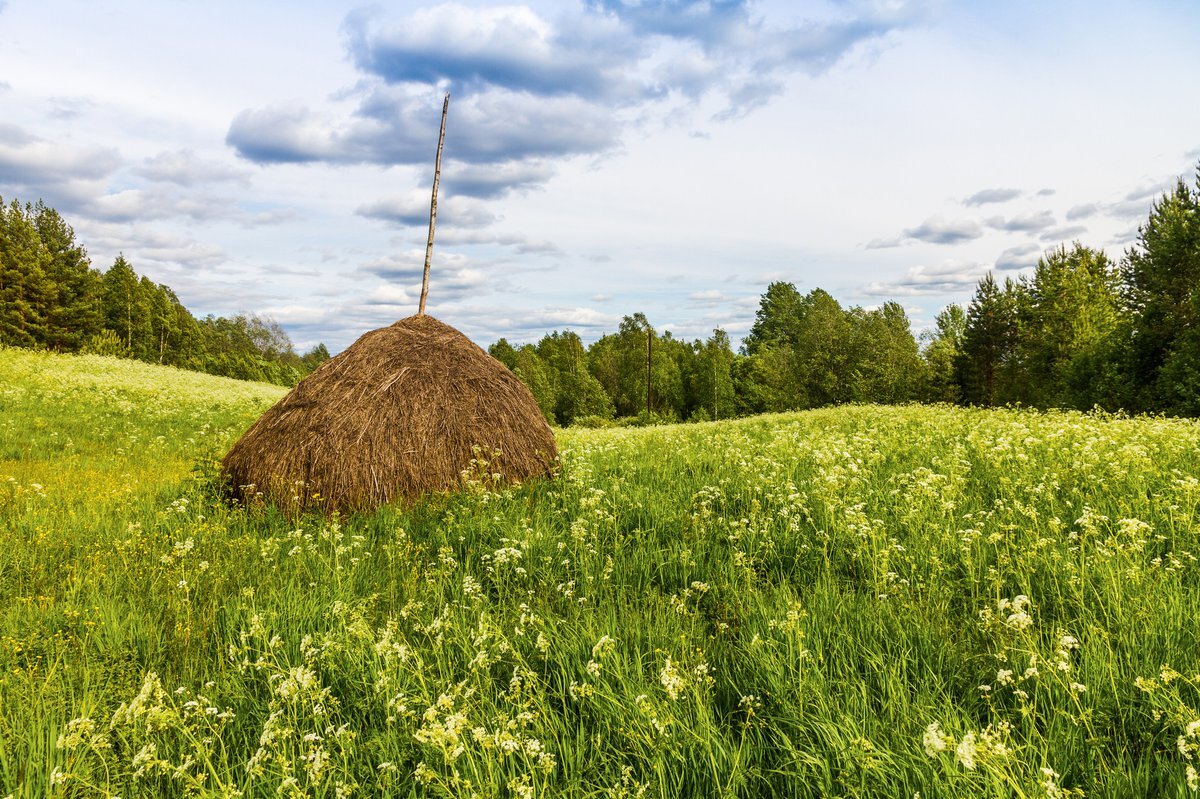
(402, 412)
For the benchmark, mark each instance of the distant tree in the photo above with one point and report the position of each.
(887, 360)
(712, 386)
(532, 371)
(774, 322)
(1070, 312)
(119, 300)
(942, 348)
(316, 356)
(73, 314)
(163, 323)
(25, 289)
(764, 382)
(503, 352)
(576, 392)
(988, 341)
(823, 351)
(1161, 275)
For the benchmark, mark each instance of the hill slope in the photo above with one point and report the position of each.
(861, 601)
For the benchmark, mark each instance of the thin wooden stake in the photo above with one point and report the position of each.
(649, 364)
(437, 175)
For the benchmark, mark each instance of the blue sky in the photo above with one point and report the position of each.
(602, 157)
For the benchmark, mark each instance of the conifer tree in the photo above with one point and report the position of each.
(73, 313)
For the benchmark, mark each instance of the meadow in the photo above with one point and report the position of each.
(861, 601)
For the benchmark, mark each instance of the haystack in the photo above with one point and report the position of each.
(402, 412)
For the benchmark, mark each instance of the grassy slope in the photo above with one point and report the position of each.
(781, 605)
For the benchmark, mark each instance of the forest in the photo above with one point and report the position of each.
(52, 298)
(1081, 331)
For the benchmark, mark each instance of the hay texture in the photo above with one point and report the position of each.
(402, 412)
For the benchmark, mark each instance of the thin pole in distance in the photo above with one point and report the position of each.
(437, 176)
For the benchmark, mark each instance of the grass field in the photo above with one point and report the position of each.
(859, 601)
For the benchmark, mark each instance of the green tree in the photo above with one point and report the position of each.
(763, 382)
(1161, 276)
(503, 352)
(988, 339)
(119, 300)
(316, 356)
(712, 387)
(532, 371)
(25, 289)
(1065, 327)
(887, 361)
(823, 352)
(73, 314)
(576, 392)
(941, 351)
(774, 322)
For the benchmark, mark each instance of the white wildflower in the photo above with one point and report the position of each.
(965, 752)
(934, 740)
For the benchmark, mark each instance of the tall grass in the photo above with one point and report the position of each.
(861, 601)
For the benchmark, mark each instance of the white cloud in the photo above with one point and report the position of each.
(938, 230)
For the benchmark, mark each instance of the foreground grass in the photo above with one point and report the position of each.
(851, 602)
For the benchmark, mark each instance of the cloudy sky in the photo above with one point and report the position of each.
(602, 157)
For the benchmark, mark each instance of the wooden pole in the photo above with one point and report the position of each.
(437, 175)
(649, 363)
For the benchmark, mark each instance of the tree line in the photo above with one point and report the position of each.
(1084, 331)
(1081, 331)
(804, 351)
(51, 298)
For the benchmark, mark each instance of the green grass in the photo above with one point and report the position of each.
(798, 605)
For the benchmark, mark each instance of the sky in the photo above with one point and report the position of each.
(601, 158)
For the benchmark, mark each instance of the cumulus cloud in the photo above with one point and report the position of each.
(453, 277)
(1083, 211)
(987, 196)
(412, 210)
(937, 230)
(1019, 257)
(529, 87)
(519, 243)
(70, 108)
(1065, 233)
(27, 160)
(509, 46)
(392, 125)
(185, 168)
(951, 277)
(1030, 222)
(132, 205)
(489, 181)
(161, 250)
(1136, 203)
(709, 297)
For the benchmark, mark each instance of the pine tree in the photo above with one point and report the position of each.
(119, 300)
(1162, 281)
(987, 342)
(25, 291)
(942, 348)
(73, 314)
(1065, 327)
